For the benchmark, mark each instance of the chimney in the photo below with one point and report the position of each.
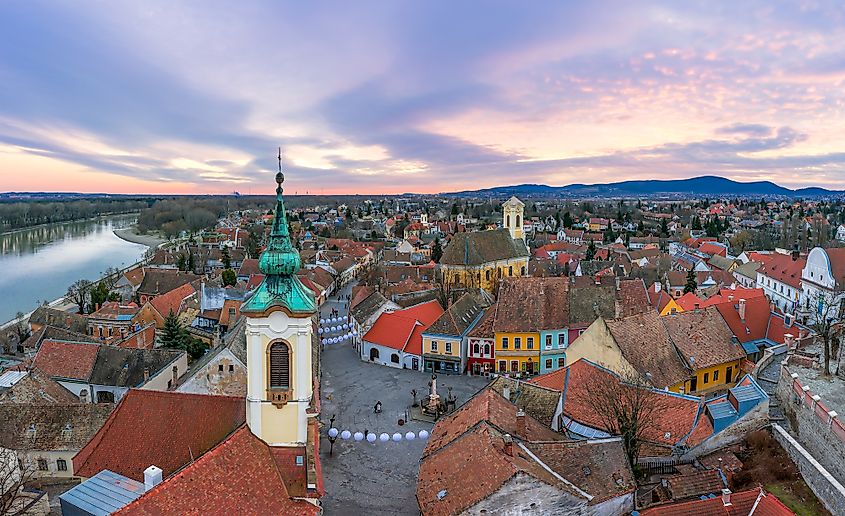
(508, 444)
(152, 477)
(789, 340)
(657, 286)
(742, 310)
(506, 392)
(726, 497)
(146, 374)
(520, 422)
(730, 297)
(83, 396)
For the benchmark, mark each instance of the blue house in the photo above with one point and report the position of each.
(553, 349)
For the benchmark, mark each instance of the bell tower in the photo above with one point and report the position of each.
(512, 214)
(278, 340)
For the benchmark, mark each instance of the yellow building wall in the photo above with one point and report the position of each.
(280, 425)
(523, 355)
(721, 371)
(479, 277)
(667, 310)
(441, 346)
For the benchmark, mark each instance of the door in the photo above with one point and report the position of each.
(729, 378)
(415, 363)
(373, 354)
(530, 367)
(693, 384)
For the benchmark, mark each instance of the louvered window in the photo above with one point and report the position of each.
(279, 366)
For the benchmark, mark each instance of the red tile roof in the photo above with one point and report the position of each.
(712, 248)
(172, 301)
(703, 338)
(402, 329)
(241, 475)
(756, 322)
(167, 429)
(145, 338)
(783, 268)
(742, 504)
(72, 360)
(689, 301)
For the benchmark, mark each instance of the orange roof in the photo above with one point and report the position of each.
(172, 301)
(402, 329)
(742, 504)
(426, 313)
(781, 267)
(241, 475)
(689, 301)
(168, 429)
(713, 249)
(72, 360)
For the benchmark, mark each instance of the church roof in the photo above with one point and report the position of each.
(279, 263)
(481, 247)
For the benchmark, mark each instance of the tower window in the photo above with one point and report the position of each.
(279, 366)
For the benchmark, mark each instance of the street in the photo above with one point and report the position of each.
(379, 478)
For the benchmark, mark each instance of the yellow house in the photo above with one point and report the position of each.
(664, 303)
(444, 348)
(690, 352)
(480, 259)
(525, 308)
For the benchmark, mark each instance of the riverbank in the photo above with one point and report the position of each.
(132, 235)
(88, 219)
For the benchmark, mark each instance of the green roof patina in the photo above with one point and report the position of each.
(279, 262)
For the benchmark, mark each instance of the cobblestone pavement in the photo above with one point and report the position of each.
(374, 479)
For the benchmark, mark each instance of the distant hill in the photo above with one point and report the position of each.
(696, 186)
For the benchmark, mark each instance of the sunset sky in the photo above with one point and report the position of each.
(418, 96)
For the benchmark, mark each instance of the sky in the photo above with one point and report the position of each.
(416, 96)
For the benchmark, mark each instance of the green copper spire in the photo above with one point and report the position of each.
(279, 263)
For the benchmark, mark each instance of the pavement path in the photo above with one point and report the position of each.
(768, 380)
(364, 478)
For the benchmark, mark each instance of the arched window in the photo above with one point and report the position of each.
(487, 349)
(394, 358)
(508, 221)
(475, 349)
(279, 366)
(510, 270)
(518, 221)
(522, 270)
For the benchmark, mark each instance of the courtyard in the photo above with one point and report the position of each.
(379, 478)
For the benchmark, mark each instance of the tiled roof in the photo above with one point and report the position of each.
(689, 301)
(484, 328)
(632, 297)
(538, 402)
(695, 484)
(249, 267)
(167, 429)
(44, 315)
(124, 367)
(489, 406)
(145, 338)
(741, 504)
(703, 338)
(172, 300)
(458, 317)
(161, 281)
(72, 360)
(368, 307)
(783, 268)
(240, 475)
(114, 310)
(587, 298)
(49, 332)
(480, 247)
(37, 387)
(44, 427)
(836, 255)
(646, 345)
(598, 467)
(523, 304)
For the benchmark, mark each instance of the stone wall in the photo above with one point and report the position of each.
(818, 429)
(826, 488)
(755, 419)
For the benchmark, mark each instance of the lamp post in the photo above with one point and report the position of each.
(332, 435)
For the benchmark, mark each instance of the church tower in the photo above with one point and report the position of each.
(512, 211)
(278, 340)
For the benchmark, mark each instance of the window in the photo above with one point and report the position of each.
(530, 342)
(561, 362)
(61, 465)
(522, 270)
(448, 347)
(514, 365)
(548, 363)
(394, 358)
(42, 465)
(548, 342)
(475, 349)
(510, 270)
(561, 340)
(504, 343)
(231, 368)
(503, 366)
(434, 345)
(517, 343)
(508, 221)
(706, 377)
(716, 375)
(219, 368)
(487, 349)
(279, 366)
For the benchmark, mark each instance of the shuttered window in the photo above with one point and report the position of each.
(279, 366)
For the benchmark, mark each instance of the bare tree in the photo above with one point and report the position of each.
(825, 323)
(16, 471)
(78, 293)
(21, 327)
(626, 405)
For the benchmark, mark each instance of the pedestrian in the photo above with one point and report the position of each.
(377, 408)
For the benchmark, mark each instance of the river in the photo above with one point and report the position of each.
(39, 263)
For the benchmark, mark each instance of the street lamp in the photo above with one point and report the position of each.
(332, 435)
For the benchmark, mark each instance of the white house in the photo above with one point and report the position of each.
(780, 279)
(822, 283)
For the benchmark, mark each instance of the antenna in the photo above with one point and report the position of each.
(280, 159)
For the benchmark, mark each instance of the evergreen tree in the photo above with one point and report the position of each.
(226, 258)
(664, 230)
(182, 262)
(591, 250)
(191, 263)
(567, 220)
(99, 295)
(696, 223)
(175, 336)
(691, 284)
(229, 278)
(436, 250)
